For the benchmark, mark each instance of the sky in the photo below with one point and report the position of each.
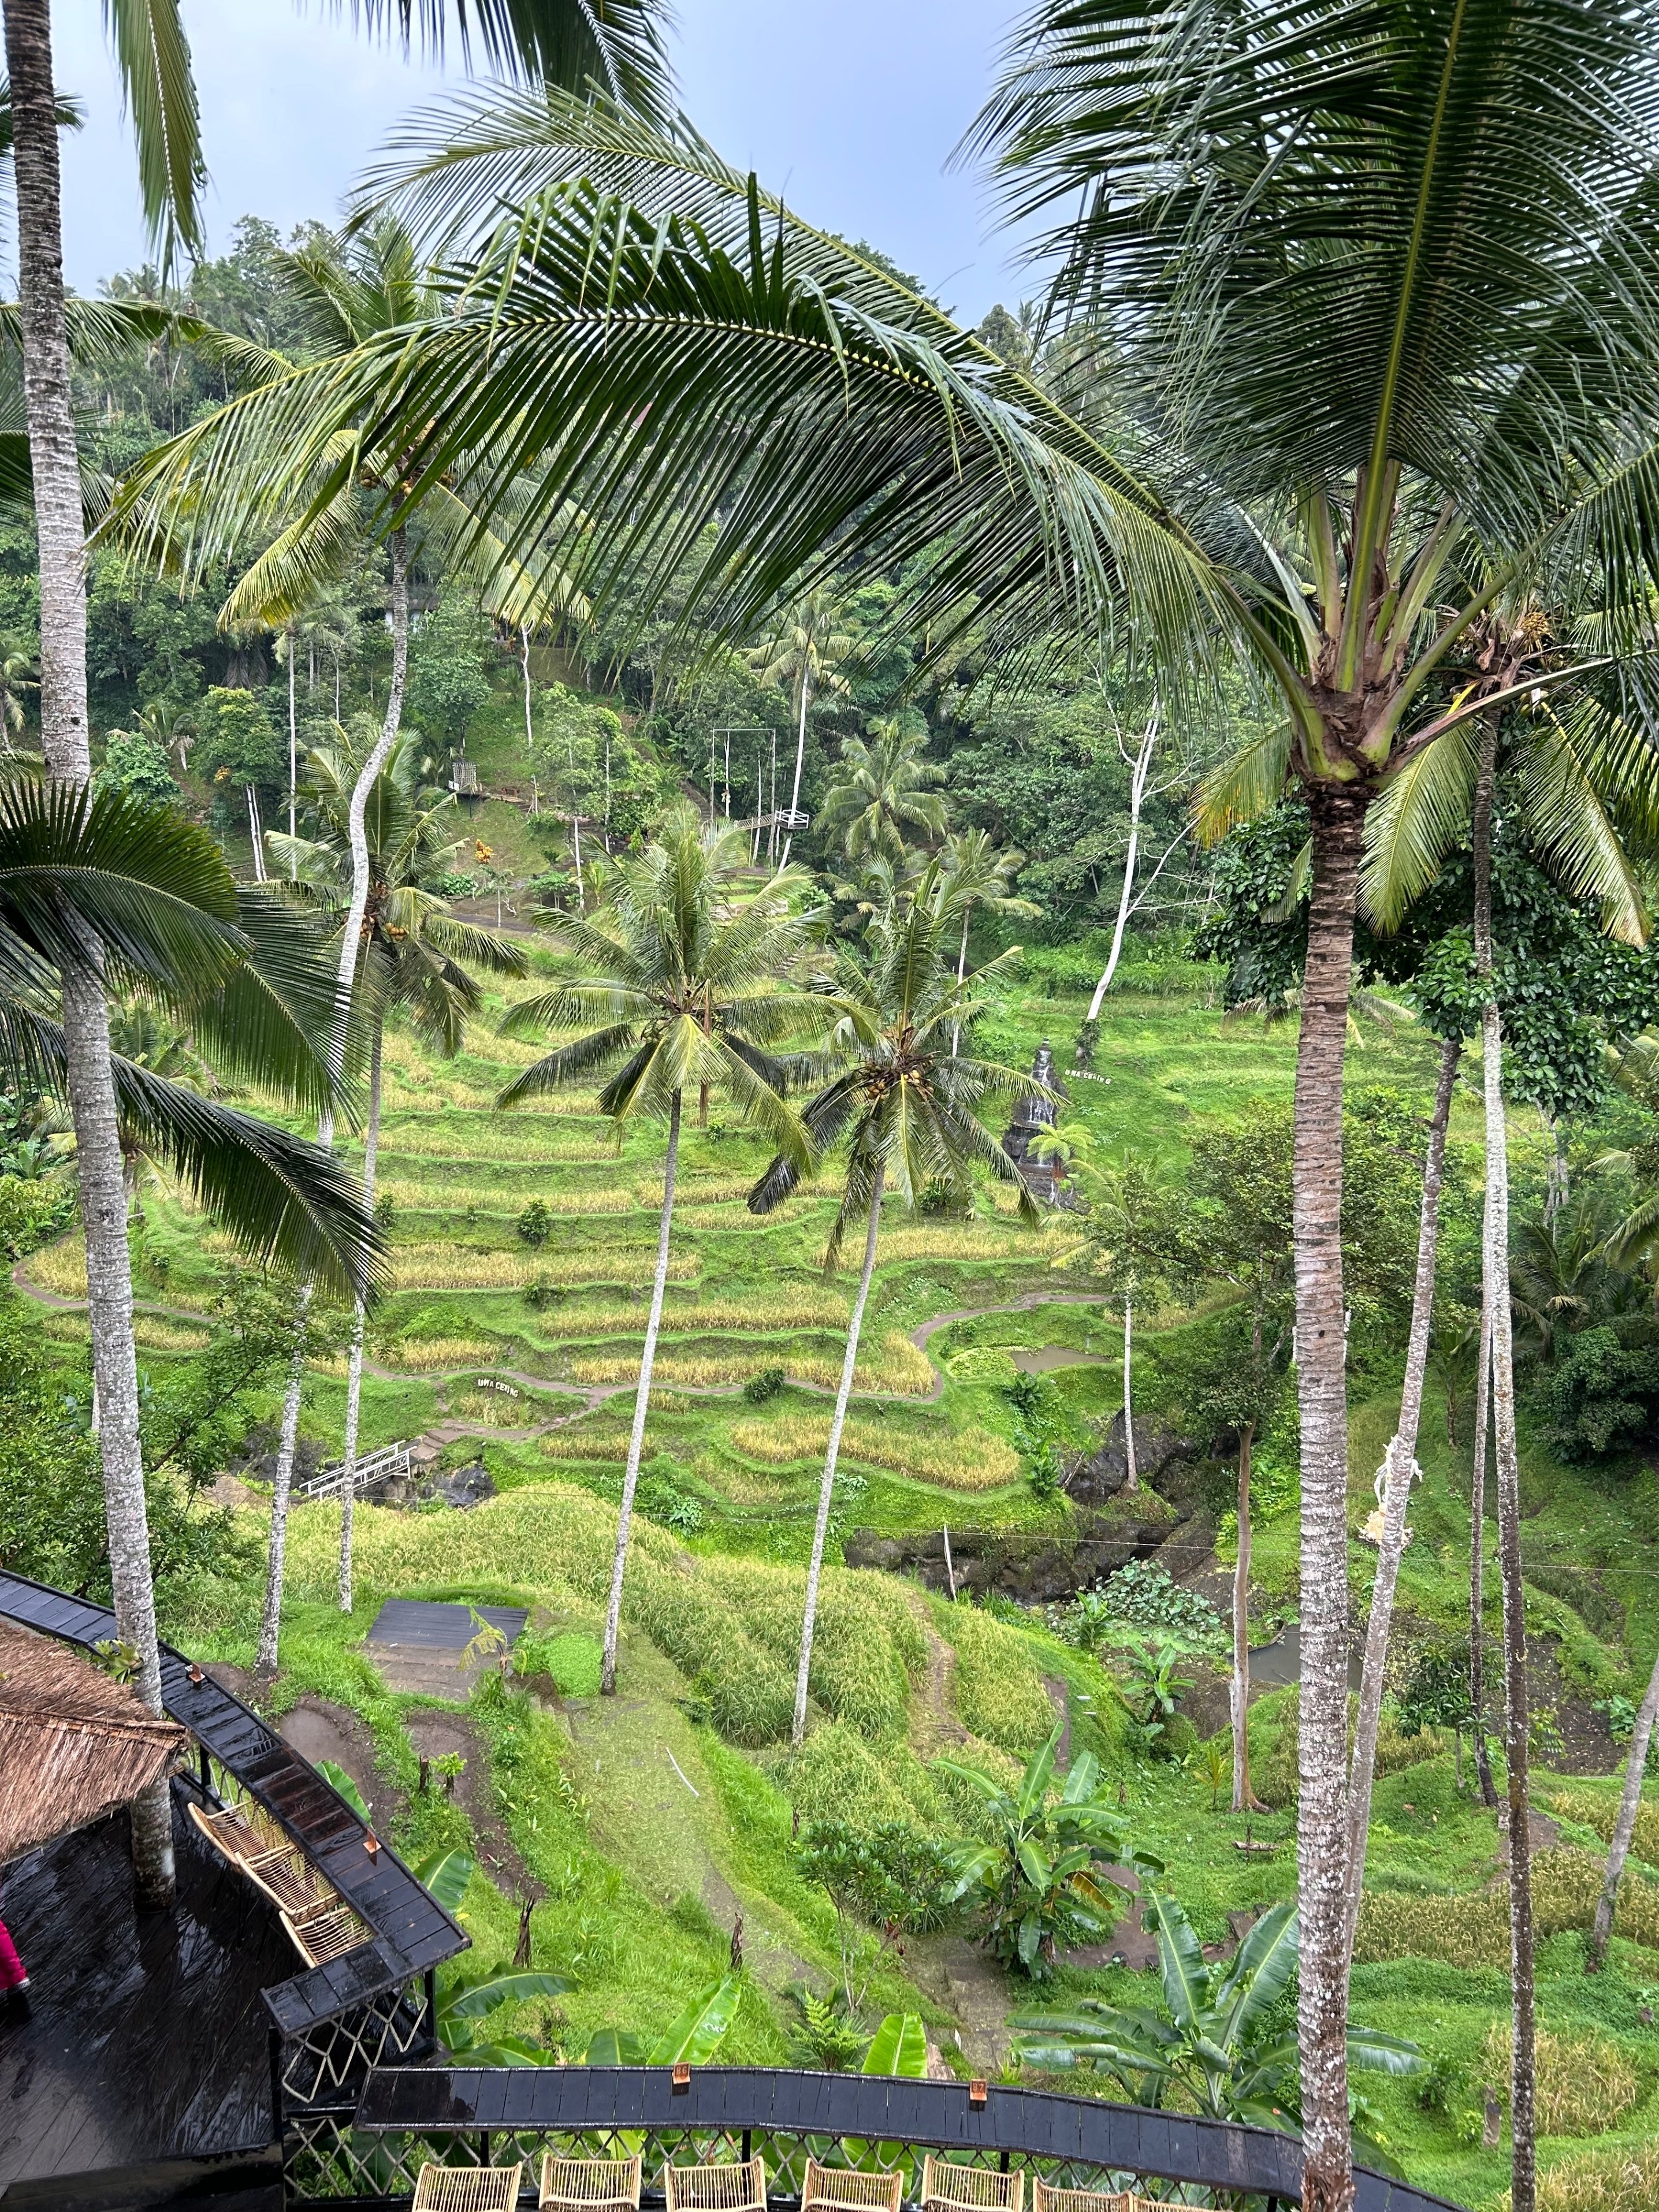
(849, 108)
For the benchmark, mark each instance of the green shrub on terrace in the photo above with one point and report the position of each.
(1000, 1690)
(837, 1775)
(865, 1647)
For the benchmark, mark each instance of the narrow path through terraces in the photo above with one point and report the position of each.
(594, 1395)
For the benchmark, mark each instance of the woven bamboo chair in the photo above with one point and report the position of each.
(275, 1868)
(1045, 2199)
(467, 2188)
(949, 2188)
(835, 2189)
(589, 2185)
(328, 1931)
(739, 2188)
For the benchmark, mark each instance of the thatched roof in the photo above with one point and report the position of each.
(74, 1743)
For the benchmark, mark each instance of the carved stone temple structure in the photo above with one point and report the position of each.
(1034, 1117)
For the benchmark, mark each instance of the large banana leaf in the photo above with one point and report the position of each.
(445, 1876)
(899, 2045)
(700, 2029)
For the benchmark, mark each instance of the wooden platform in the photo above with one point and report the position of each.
(146, 2036)
(420, 1648)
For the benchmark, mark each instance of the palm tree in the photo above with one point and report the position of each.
(680, 985)
(413, 954)
(802, 652)
(1333, 437)
(550, 36)
(907, 1109)
(975, 873)
(1126, 1239)
(881, 790)
(109, 890)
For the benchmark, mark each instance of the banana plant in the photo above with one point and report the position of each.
(693, 2037)
(465, 2007)
(1224, 2046)
(1036, 1882)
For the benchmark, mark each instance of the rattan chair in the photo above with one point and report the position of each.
(836, 2188)
(272, 1863)
(328, 1931)
(589, 2185)
(949, 2188)
(1045, 2199)
(740, 2188)
(467, 2188)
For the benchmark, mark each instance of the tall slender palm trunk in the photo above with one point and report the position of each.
(1244, 1798)
(1623, 1828)
(350, 947)
(1477, 1552)
(826, 1488)
(1136, 792)
(641, 1405)
(1524, 2176)
(357, 837)
(1132, 1473)
(1399, 1470)
(800, 755)
(294, 749)
(355, 1357)
(60, 536)
(1338, 818)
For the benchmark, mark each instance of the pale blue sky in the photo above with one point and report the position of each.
(850, 108)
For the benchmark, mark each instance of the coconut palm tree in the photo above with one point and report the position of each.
(976, 873)
(906, 1109)
(882, 790)
(562, 40)
(1333, 438)
(414, 955)
(802, 652)
(680, 983)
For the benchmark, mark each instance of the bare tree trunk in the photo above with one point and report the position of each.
(256, 832)
(837, 1422)
(1399, 1471)
(1477, 1549)
(350, 950)
(1625, 1826)
(60, 539)
(1338, 818)
(800, 755)
(270, 1620)
(961, 970)
(1244, 1799)
(1131, 1476)
(1143, 761)
(641, 1405)
(1524, 2176)
(354, 1357)
(524, 654)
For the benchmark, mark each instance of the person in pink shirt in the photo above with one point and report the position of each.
(12, 1974)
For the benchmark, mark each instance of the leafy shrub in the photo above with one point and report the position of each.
(1607, 2181)
(982, 1363)
(1585, 2084)
(767, 1385)
(1602, 1393)
(570, 1660)
(539, 1293)
(1145, 1593)
(32, 1212)
(535, 1223)
(453, 883)
(1000, 1690)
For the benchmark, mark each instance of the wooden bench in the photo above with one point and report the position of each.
(946, 2187)
(467, 2188)
(589, 2185)
(739, 2188)
(839, 2188)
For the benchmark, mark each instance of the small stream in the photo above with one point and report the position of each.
(1280, 1661)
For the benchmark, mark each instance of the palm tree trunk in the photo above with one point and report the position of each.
(1623, 1828)
(1338, 818)
(1399, 1470)
(60, 539)
(529, 723)
(826, 1488)
(1523, 2177)
(800, 755)
(1244, 1799)
(397, 547)
(1136, 792)
(293, 749)
(354, 1357)
(270, 1620)
(1132, 1474)
(641, 1405)
(1477, 1561)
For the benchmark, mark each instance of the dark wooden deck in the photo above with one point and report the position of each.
(146, 2035)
